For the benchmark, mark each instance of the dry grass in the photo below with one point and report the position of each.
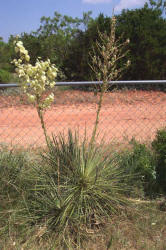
(142, 226)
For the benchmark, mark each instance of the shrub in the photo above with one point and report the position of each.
(159, 146)
(140, 162)
(4, 76)
(78, 189)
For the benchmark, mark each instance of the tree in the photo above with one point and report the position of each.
(6, 53)
(76, 65)
(54, 37)
(146, 29)
(33, 45)
(56, 34)
(158, 4)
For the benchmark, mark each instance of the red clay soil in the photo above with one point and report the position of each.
(124, 114)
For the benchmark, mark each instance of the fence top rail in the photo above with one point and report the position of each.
(8, 85)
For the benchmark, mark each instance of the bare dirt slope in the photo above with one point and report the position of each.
(124, 114)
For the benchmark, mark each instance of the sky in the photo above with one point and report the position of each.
(17, 16)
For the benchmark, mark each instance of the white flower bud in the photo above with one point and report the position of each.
(31, 98)
(52, 84)
(27, 58)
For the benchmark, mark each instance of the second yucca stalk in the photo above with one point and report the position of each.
(105, 56)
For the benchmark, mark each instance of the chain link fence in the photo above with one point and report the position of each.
(130, 109)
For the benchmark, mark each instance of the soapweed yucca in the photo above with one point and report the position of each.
(77, 190)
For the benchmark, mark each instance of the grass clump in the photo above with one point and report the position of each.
(12, 165)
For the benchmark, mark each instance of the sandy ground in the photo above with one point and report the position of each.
(124, 115)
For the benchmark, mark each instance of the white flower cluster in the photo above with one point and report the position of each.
(42, 74)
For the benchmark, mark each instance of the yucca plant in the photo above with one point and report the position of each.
(77, 190)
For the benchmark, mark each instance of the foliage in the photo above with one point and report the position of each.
(53, 39)
(5, 76)
(158, 4)
(6, 53)
(140, 162)
(57, 33)
(76, 191)
(33, 45)
(146, 29)
(79, 50)
(159, 146)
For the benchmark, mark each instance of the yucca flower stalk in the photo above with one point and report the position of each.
(39, 76)
(105, 56)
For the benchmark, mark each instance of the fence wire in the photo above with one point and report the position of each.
(129, 110)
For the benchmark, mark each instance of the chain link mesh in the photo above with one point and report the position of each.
(125, 113)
